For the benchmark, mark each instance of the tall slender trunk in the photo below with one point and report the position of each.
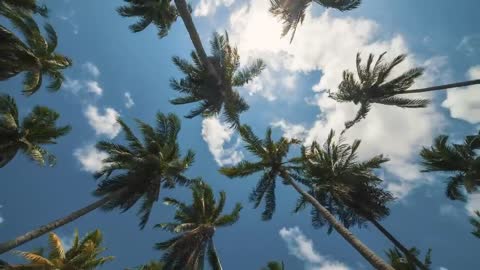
(397, 244)
(22, 239)
(441, 87)
(366, 252)
(184, 12)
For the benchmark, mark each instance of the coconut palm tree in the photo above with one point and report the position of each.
(460, 160)
(399, 262)
(199, 87)
(37, 129)
(347, 187)
(273, 163)
(36, 57)
(161, 13)
(83, 255)
(373, 86)
(475, 221)
(195, 225)
(274, 266)
(292, 12)
(133, 172)
(27, 6)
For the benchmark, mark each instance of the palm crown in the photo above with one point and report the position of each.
(27, 6)
(143, 168)
(196, 225)
(274, 266)
(159, 12)
(83, 255)
(199, 86)
(399, 262)
(272, 162)
(292, 12)
(373, 87)
(460, 159)
(346, 187)
(38, 128)
(37, 57)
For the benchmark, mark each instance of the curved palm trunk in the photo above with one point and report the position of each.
(366, 252)
(441, 87)
(184, 12)
(398, 244)
(22, 239)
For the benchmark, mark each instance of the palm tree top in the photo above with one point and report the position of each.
(27, 6)
(399, 262)
(196, 224)
(143, 168)
(200, 86)
(273, 265)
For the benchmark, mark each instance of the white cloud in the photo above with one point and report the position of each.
(442, 268)
(91, 68)
(398, 133)
(217, 135)
(79, 86)
(90, 158)
(93, 87)
(301, 247)
(128, 100)
(464, 103)
(291, 131)
(473, 204)
(469, 44)
(208, 7)
(71, 85)
(104, 124)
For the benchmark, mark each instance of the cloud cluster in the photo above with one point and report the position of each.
(90, 158)
(217, 134)
(103, 123)
(91, 68)
(290, 131)
(208, 7)
(128, 100)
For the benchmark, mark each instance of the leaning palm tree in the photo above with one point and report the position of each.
(29, 136)
(83, 255)
(36, 57)
(27, 6)
(196, 225)
(399, 262)
(347, 187)
(273, 265)
(373, 86)
(133, 172)
(292, 12)
(199, 86)
(273, 163)
(161, 13)
(475, 221)
(461, 160)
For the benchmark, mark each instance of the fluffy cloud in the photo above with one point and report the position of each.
(463, 102)
(301, 247)
(217, 134)
(91, 68)
(128, 100)
(94, 88)
(291, 131)
(90, 158)
(78, 86)
(103, 124)
(398, 133)
(208, 7)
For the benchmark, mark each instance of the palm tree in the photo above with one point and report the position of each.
(404, 263)
(274, 266)
(461, 160)
(143, 169)
(273, 163)
(153, 265)
(199, 86)
(347, 187)
(27, 6)
(292, 12)
(373, 86)
(36, 57)
(475, 221)
(83, 255)
(38, 128)
(196, 225)
(161, 13)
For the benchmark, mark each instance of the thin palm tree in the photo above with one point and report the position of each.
(132, 172)
(347, 187)
(273, 163)
(273, 265)
(373, 86)
(160, 13)
(195, 225)
(199, 87)
(461, 160)
(399, 262)
(28, 6)
(292, 12)
(36, 57)
(37, 129)
(83, 255)
(475, 221)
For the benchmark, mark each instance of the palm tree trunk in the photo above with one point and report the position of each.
(441, 87)
(184, 12)
(367, 253)
(22, 239)
(398, 244)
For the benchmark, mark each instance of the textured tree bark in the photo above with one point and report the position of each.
(441, 87)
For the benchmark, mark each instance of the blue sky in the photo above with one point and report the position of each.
(111, 63)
